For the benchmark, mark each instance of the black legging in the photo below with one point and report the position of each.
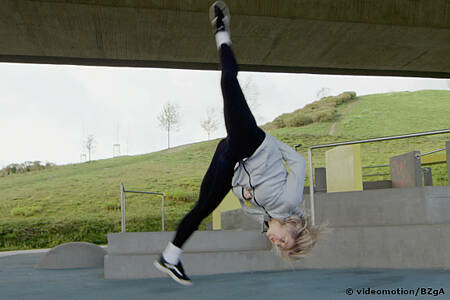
(243, 138)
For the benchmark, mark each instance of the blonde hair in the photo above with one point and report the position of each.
(304, 234)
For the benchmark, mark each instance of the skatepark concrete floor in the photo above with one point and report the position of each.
(20, 280)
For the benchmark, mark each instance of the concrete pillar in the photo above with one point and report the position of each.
(406, 170)
(447, 145)
(320, 179)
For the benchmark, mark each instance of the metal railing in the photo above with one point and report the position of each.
(122, 205)
(310, 157)
(434, 151)
(378, 174)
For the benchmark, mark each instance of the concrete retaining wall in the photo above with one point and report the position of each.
(392, 228)
(401, 206)
(415, 246)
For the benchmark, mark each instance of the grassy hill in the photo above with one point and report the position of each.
(80, 202)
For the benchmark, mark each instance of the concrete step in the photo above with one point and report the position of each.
(200, 263)
(200, 241)
(413, 246)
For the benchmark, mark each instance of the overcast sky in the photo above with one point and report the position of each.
(47, 111)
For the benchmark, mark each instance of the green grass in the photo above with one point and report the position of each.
(397, 113)
(81, 202)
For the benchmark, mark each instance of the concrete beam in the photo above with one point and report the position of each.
(366, 37)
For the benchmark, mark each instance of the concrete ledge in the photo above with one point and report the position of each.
(373, 185)
(200, 241)
(202, 263)
(73, 255)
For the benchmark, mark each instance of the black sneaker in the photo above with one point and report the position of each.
(219, 15)
(174, 271)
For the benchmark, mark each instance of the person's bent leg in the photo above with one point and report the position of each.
(215, 186)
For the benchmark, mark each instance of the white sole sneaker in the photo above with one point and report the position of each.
(168, 272)
(226, 13)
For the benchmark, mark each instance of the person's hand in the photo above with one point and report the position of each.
(248, 194)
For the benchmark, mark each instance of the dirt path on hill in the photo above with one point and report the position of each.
(333, 127)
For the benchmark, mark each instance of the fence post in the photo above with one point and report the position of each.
(447, 145)
(162, 213)
(321, 179)
(122, 205)
(427, 177)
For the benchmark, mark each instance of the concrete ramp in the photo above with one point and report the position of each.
(73, 255)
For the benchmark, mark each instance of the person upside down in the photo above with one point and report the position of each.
(250, 162)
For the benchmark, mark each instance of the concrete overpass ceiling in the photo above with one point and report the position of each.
(371, 37)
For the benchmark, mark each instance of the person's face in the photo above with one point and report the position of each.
(279, 235)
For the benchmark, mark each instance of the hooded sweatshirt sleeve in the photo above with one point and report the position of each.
(297, 171)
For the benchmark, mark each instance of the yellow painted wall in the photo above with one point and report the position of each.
(229, 203)
(344, 172)
(434, 158)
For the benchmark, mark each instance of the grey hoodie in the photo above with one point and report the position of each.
(276, 193)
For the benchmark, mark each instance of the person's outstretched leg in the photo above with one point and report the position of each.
(244, 134)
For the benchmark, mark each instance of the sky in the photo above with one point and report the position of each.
(47, 111)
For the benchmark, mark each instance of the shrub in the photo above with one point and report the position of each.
(268, 126)
(323, 116)
(111, 205)
(312, 106)
(26, 211)
(298, 120)
(182, 195)
(279, 122)
(322, 110)
(352, 94)
(27, 166)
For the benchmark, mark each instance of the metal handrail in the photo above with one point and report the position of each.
(122, 205)
(310, 149)
(380, 166)
(379, 174)
(434, 151)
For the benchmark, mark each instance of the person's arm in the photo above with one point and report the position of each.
(297, 167)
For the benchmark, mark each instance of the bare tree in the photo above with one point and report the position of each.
(251, 93)
(210, 124)
(89, 144)
(169, 119)
(323, 92)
